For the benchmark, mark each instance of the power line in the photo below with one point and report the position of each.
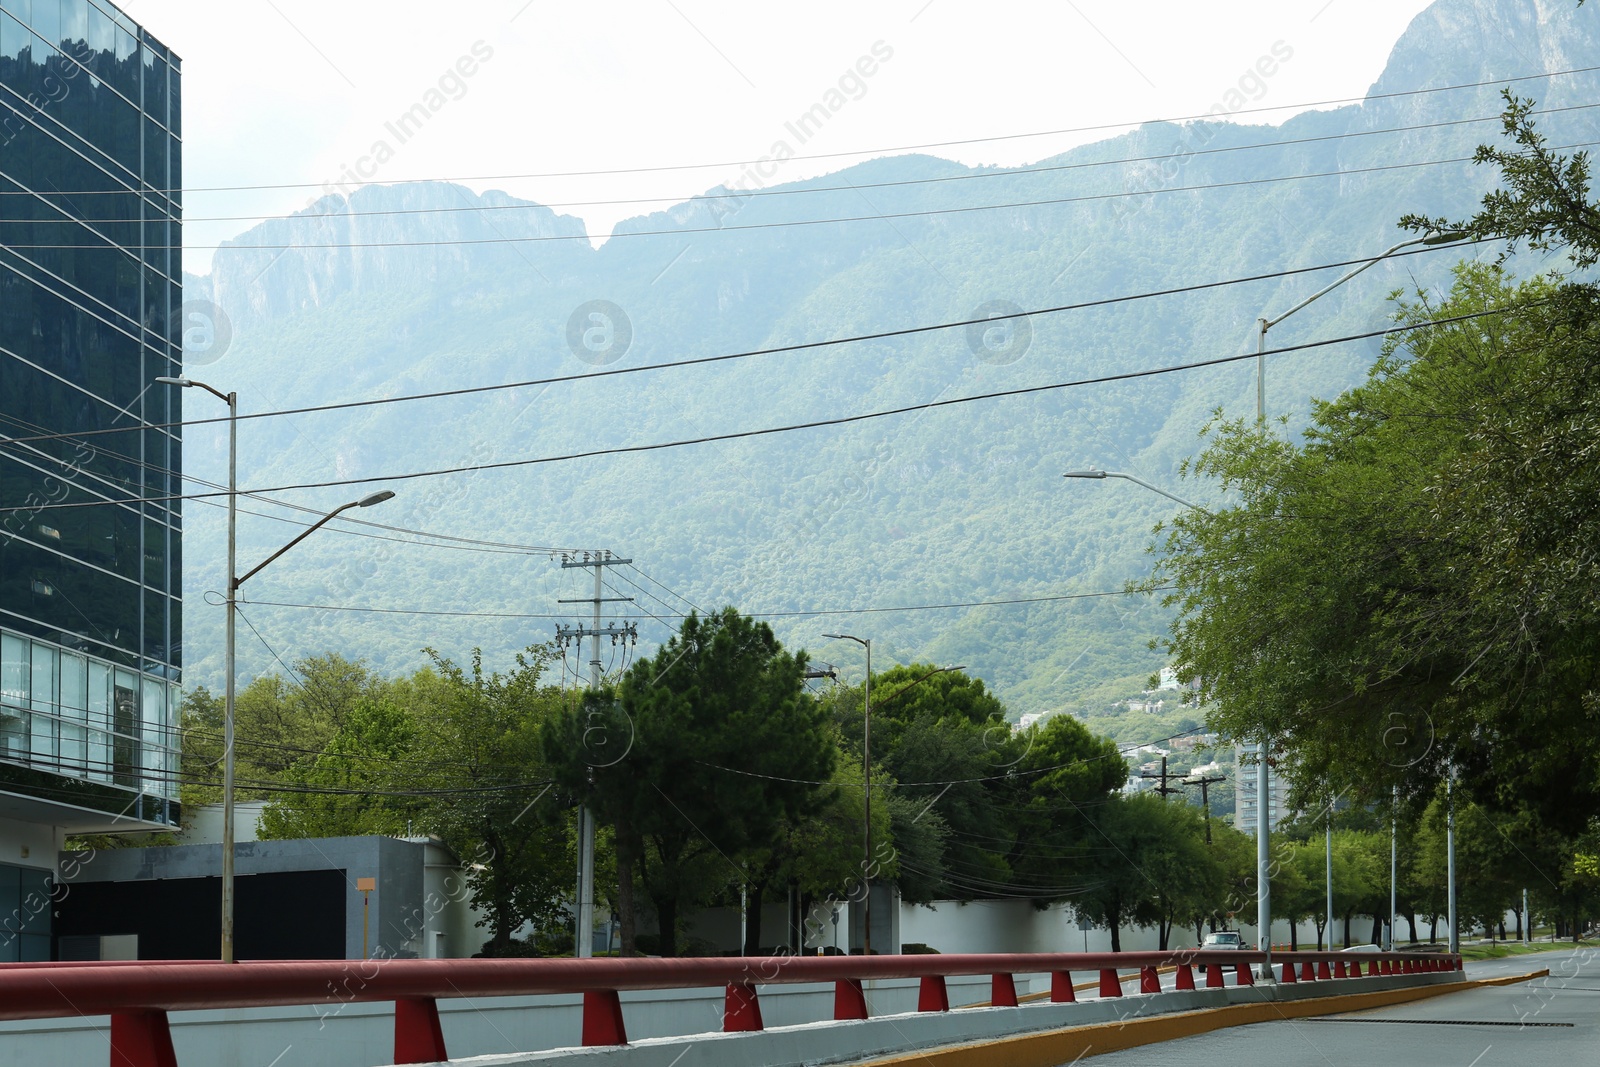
(791, 223)
(1099, 127)
(749, 614)
(814, 424)
(843, 420)
(905, 331)
(739, 194)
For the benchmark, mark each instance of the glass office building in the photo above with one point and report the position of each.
(90, 526)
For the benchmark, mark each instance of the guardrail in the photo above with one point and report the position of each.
(138, 995)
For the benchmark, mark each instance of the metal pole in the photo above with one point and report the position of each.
(1394, 865)
(229, 689)
(1527, 920)
(584, 936)
(1450, 856)
(866, 797)
(1263, 832)
(1261, 369)
(1263, 864)
(1330, 875)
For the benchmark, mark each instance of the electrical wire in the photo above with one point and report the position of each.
(893, 216)
(844, 420)
(643, 615)
(740, 194)
(1198, 117)
(804, 346)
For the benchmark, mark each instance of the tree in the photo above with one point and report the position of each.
(279, 725)
(945, 738)
(1150, 865)
(1409, 588)
(353, 786)
(723, 746)
(483, 733)
(819, 851)
(1062, 774)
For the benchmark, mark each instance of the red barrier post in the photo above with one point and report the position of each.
(417, 1036)
(741, 1009)
(1110, 984)
(1338, 968)
(1214, 976)
(1149, 980)
(1288, 972)
(1002, 991)
(1323, 973)
(1307, 973)
(1243, 976)
(933, 996)
(849, 1002)
(1185, 979)
(602, 1019)
(1061, 991)
(141, 1039)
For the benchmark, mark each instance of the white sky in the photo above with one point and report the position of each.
(296, 91)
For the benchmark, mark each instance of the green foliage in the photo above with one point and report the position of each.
(723, 748)
(1149, 864)
(484, 731)
(450, 752)
(338, 783)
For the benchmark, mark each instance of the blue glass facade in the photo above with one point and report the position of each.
(90, 526)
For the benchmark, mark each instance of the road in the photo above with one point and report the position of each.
(1548, 1022)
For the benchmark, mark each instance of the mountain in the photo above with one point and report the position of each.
(433, 287)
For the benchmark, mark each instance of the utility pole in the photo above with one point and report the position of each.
(1164, 789)
(583, 938)
(1205, 797)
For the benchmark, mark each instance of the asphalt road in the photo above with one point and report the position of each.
(1548, 1022)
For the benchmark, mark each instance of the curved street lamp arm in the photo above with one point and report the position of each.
(1099, 475)
(364, 502)
(1435, 239)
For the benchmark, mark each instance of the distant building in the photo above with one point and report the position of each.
(1244, 792)
(90, 314)
(1169, 678)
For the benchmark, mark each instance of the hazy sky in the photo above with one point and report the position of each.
(311, 92)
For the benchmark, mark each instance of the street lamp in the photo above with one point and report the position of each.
(1263, 832)
(866, 792)
(1102, 475)
(232, 400)
(1263, 325)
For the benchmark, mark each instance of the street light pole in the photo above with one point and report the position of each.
(1263, 831)
(1330, 876)
(232, 400)
(1450, 852)
(1394, 867)
(1263, 325)
(866, 794)
(1102, 475)
(229, 689)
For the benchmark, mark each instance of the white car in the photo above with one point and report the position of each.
(1222, 939)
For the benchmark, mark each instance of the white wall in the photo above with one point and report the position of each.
(1017, 926)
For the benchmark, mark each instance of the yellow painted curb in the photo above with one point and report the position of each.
(1513, 979)
(1053, 1047)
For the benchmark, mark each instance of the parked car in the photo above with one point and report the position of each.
(1362, 948)
(1223, 939)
